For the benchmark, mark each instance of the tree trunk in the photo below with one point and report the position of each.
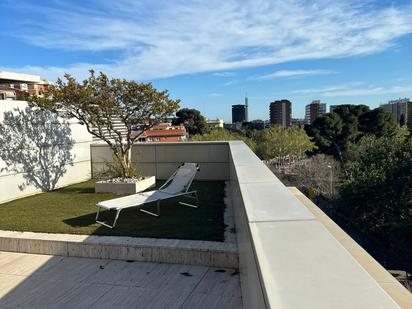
(123, 161)
(126, 162)
(341, 159)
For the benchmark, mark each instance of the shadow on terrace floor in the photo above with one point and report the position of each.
(41, 281)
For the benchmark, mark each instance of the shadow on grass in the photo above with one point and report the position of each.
(175, 221)
(74, 189)
(72, 210)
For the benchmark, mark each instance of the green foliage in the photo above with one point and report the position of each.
(378, 193)
(220, 134)
(327, 132)
(376, 155)
(194, 122)
(334, 132)
(281, 141)
(115, 170)
(378, 122)
(99, 102)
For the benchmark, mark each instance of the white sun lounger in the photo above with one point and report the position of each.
(177, 185)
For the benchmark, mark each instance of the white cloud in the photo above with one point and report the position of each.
(231, 82)
(398, 90)
(293, 73)
(224, 74)
(155, 39)
(215, 94)
(356, 89)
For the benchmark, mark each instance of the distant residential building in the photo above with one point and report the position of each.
(238, 113)
(254, 125)
(8, 93)
(236, 126)
(164, 132)
(298, 122)
(332, 107)
(398, 108)
(14, 84)
(215, 123)
(280, 113)
(314, 110)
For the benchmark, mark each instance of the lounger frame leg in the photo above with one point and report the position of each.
(157, 214)
(105, 224)
(193, 197)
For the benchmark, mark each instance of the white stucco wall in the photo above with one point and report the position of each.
(79, 169)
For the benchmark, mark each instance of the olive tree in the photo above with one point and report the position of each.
(101, 103)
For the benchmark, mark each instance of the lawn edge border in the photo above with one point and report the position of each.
(176, 251)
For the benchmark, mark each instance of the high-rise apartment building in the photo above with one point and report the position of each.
(280, 112)
(238, 113)
(398, 108)
(314, 110)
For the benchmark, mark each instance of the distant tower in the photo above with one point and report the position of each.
(314, 110)
(246, 109)
(280, 112)
(238, 113)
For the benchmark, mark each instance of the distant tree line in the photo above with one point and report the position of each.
(375, 153)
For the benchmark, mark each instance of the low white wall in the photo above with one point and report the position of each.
(162, 159)
(13, 179)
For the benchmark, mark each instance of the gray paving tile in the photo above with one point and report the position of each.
(69, 268)
(83, 297)
(121, 273)
(67, 282)
(174, 276)
(8, 283)
(24, 264)
(207, 301)
(220, 282)
(37, 293)
(134, 297)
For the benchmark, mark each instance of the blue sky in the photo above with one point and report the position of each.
(209, 53)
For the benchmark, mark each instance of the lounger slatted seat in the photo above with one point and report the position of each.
(177, 185)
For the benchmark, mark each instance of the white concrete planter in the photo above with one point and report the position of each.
(125, 187)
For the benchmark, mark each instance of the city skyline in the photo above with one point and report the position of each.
(332, 51)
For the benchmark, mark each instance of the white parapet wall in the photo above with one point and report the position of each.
(58, 152)
(287, 257)
(162, 159)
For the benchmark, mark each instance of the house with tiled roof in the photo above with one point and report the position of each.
(164, 132)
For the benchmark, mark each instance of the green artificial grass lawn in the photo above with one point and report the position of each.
(72, 210)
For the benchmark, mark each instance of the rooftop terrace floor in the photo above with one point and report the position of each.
(42, 281)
